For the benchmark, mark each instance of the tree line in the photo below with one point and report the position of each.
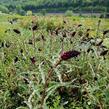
(22, 6)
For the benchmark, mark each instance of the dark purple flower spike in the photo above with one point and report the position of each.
(16, 31)
(33, 60)
(69, 54)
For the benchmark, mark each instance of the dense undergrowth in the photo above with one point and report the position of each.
(54, 63)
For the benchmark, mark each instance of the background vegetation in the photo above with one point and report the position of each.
(21, 6)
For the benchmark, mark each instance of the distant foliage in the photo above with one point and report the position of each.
(55, 5)
(69, 13)
(29, 13)
(4, 9)
(43, 12)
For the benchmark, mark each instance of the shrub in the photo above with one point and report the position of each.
(29, 13)
(4, 9)
(69, 13)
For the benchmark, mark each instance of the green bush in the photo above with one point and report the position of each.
(69, 13)
(29, 13)
(4, 9)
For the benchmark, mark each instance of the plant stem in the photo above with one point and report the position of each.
(47, 82)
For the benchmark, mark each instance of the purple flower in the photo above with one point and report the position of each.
(69, 54)
(16, 59)
(73, 34)
(34, 27)
(79, 25)
(103, 53)
(105, 32)
(33, 60)
(16, 31)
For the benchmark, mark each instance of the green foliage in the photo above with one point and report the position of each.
(4, 9)
(29, 13)
(56, 104)
(68, 13)
(55, 5)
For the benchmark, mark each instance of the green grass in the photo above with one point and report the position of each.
(29, 78)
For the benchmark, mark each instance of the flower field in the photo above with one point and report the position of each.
(54, 62)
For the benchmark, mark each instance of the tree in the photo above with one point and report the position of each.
(4, 9)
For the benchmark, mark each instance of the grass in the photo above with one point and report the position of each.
(33, 74)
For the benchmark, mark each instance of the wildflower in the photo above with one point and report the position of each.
(103, 52)
(95, 78)
(16, 59)
(90, 49)
(21, 51)
(33, 60)
(84, 92)
(26, 81)
(2, 44)
(88, 29)
(8, 44)
(64, 22)
(34, 27)
(71, 42)
(74, 33)
(87, 35)
(82, 81)
(30, 42)
(69, 54)
(79, 25)
(57, 31)
(43, 38)
(64, 34)
(16, 31)
(99, 42)
(105, 32)
(39, 49)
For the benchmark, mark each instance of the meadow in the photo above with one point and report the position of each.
(54, 62)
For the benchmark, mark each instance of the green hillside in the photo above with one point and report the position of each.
(21, 6)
